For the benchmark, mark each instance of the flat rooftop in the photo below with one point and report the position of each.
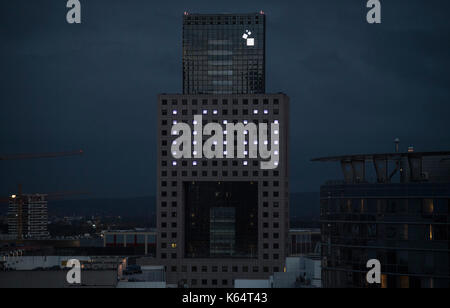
(380, 156)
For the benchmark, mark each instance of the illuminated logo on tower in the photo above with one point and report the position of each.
(246, 36)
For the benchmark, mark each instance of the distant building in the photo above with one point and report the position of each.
(28, 217)
(142, 241)
(51, 271)
(400, 219)
(304, 241)
(300, 272)
(148, 277)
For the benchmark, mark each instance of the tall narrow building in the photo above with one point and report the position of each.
(28, 217)
(224, 53)
(225, 216)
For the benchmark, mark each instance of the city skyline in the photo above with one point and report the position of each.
(225, 145)
(70, 87)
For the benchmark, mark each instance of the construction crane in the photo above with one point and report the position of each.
(19, 197)
(50, 196)
(41, 155)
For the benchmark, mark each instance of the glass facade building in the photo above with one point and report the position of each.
(224, 54)
(231, 208)
(402, 220)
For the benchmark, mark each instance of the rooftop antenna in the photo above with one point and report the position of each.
(397, 145)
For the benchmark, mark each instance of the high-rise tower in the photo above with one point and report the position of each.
(223, 218)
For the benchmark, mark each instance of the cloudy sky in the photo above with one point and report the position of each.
(354, 87)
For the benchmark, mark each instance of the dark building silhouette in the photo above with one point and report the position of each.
(400, 218)
(224, 53)
(221, 219)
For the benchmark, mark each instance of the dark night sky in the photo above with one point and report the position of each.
(354, 87)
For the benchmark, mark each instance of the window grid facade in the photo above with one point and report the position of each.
(216, 57)
(273, 187)
(405, 226)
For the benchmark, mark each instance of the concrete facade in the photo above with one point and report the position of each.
(273, 188)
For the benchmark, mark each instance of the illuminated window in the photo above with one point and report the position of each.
(428, 206)
(404, 282)
(384, 281)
